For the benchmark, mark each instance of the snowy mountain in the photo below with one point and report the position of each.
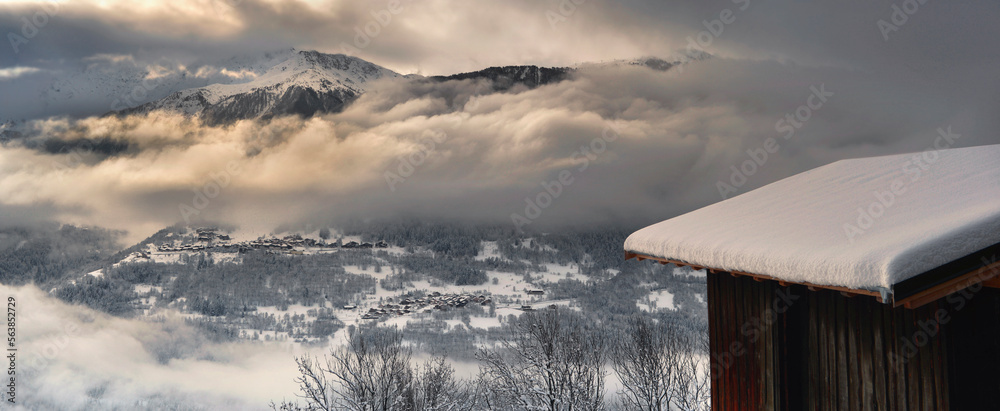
(105, 82)
(310, 82)
(305, 83)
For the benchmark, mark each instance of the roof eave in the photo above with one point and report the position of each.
(980, 267)
(879, 295)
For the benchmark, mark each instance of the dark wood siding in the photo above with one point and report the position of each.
(790, 348)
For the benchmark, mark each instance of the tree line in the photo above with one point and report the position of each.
(548, 360)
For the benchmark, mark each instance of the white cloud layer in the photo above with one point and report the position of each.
(71, 357)
(676, 135)
(680, 134)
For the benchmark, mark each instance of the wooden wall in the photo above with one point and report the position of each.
(790, 348)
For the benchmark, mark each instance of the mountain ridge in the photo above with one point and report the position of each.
(307, 83)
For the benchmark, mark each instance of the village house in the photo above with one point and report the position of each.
(868, 283)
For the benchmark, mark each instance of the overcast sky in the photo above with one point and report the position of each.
(888, 88)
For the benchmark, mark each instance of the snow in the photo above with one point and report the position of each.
(324, 73)
(143, 289)
(398, 322)
(484, 322)
(106, 81)
(490, 250)
(507, 311)
(687, 271)
(293, 309)
(657, 300)
(170, 257)
(310, 70)
(370, 271)
(247, 233)
(828, 226)
(561, 269)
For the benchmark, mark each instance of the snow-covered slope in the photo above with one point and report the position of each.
(116, 82)
(305, 83)
(865, 223)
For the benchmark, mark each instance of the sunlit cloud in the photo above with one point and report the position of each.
(73, 357)
(11, 73)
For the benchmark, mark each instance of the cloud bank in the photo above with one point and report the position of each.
(71, 357)
(625, 145)
(894, 78)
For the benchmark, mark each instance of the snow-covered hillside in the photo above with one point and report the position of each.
(117, 82)
(410, 276)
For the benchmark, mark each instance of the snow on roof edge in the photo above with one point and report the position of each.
(950, 211)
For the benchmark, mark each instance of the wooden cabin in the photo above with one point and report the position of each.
(865, 284)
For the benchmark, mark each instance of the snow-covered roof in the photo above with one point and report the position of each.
(864, 224)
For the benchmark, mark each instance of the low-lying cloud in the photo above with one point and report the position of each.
(71, 357)
(639, 145)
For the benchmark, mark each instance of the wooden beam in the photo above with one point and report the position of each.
(983, 274)
(992, 283)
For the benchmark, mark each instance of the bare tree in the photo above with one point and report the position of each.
(550, 362)
(314, 385)
(661, 366)
(646, 359)
(693, 389)
(435, 388)
(373, 373)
